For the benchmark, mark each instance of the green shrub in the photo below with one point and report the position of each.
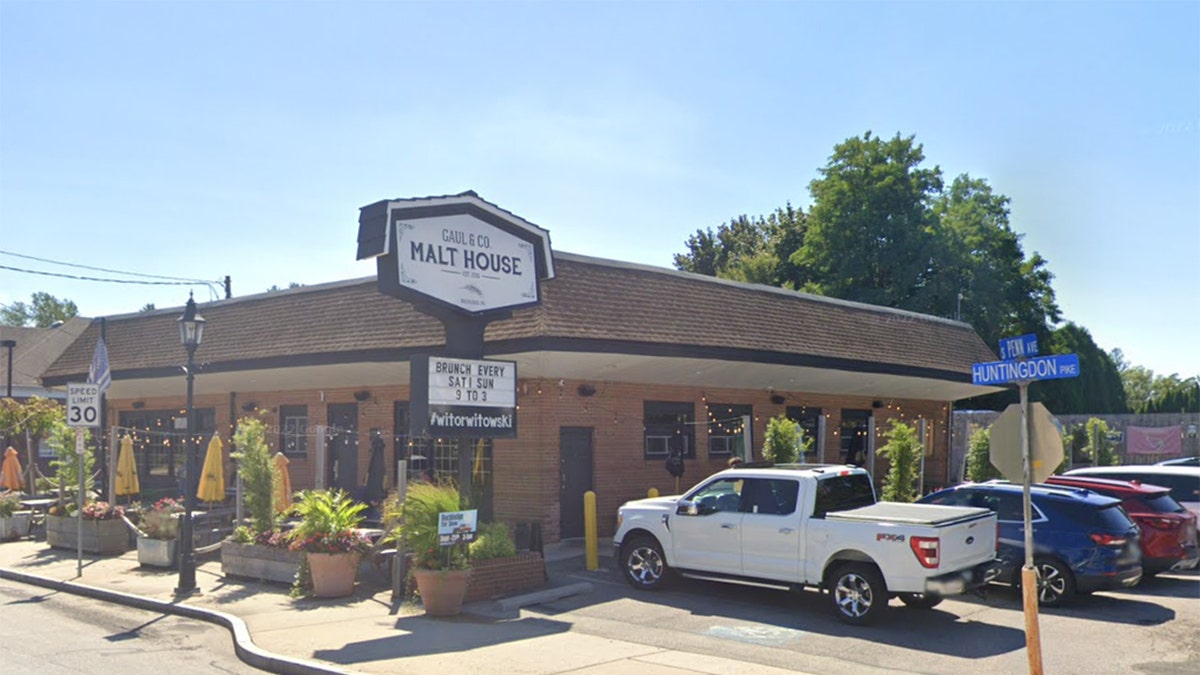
(493, 541)
(415, 523)
(979, 462)
(903, 450)
(257, 472)
(782, 444)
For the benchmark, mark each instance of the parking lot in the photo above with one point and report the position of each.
(1154, 628)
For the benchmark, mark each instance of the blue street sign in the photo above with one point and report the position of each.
(1019, 346)
(1053, 367)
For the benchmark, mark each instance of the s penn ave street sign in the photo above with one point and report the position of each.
(1053, 367)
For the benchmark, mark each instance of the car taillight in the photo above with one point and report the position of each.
(1160, 523)
(927, 550)
(1107, 539)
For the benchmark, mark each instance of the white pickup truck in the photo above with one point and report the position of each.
(791, 527)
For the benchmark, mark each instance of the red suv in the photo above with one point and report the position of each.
(1168, 530)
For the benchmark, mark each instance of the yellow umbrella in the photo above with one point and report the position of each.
(212, 476)
(283, 484)
(127, 474)
(10, 471)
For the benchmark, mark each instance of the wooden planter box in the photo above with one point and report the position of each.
(157, 552)
(105, 537)
(263, 563)
(15, 526)
(505, 576)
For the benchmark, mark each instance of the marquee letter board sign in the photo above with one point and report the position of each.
(459, 398)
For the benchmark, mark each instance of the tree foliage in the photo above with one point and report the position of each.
(903, 450)
(42, 311)
(1099, 449)
(753, 250)
(1146, 392)
(782, 443)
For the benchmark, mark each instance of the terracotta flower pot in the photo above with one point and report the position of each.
(442, 591)
(333, 573)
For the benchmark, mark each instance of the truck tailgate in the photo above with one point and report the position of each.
(966, 535)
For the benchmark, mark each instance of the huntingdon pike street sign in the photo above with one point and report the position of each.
(1053, 367)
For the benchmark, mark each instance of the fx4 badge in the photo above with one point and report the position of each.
(889, 537)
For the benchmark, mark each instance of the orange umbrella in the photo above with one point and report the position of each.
(212, 476)
(10, 471)
(283, 484)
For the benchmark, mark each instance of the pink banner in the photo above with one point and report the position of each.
(1154, 440)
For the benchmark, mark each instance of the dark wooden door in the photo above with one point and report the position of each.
(575, 465)
(342, 471)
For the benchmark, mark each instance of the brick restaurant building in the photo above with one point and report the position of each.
(619, 363)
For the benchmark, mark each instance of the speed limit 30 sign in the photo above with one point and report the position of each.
(83, 405)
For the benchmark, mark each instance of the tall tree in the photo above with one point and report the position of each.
(750, 249)
(870, 227)
(43, 310)
(1097, 390)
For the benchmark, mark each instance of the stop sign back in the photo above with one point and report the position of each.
(1045, 443)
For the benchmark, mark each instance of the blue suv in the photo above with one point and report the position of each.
(1083, 541)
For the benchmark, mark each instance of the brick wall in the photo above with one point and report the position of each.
(526, 469)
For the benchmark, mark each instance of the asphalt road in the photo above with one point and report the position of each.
(1150, 629)
(46, 633)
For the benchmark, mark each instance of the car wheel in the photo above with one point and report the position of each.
(1056, 583)
(858, 593)
(643, 563)
(921, 600)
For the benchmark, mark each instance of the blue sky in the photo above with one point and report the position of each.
(199, 139)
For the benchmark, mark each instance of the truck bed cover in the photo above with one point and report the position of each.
(910, 514)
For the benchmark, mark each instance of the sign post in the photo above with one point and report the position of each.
(1022, 372)
(83, 411)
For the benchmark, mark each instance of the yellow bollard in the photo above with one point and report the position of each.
(589, 531)
(652, 493)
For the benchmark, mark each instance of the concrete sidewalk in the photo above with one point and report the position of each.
(367, 632)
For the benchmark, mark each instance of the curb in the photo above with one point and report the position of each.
(548, 595)
(243, 645)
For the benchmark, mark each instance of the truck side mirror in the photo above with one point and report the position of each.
(686, 508)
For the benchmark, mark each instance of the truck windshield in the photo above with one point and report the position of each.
(841, 493)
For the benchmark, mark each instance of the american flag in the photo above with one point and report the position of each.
(98, 372)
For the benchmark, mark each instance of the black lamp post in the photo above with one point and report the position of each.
(191, 332)
(10, 344)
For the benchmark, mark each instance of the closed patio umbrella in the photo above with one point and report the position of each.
(127, 474)
(375, 472)
(10, 471)
(212, 476)
(283, 483)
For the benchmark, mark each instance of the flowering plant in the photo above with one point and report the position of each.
(9, 503)
(271, 538)
(102, 511)
(161, 521)
(329, 523)
(350, 541)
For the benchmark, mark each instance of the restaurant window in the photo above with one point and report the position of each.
(727, 427)
(809, 420)
(668, 426)
(293, 429)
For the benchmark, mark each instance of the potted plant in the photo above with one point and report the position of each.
(258, 550)
(441, 573)
(329, 538)
(104, 529)
(158, 533)
(14, 524)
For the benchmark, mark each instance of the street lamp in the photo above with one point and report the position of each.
(191, 332)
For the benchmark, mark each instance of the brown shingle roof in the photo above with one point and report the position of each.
(601, 305)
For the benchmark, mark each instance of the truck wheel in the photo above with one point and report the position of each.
(643, 564)
(921, 600)
(1056, 583)
(858, 593)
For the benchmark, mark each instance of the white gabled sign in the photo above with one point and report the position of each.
(465, 262)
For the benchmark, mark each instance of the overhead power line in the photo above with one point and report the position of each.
(97, 269)
(210, 284)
